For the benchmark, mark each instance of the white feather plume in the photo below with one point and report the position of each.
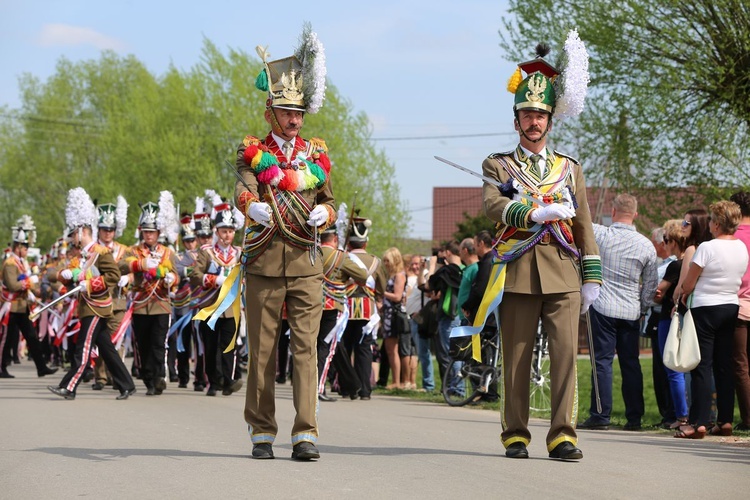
(342, 222)
(80, 210)
(575, 78)
(167, 221)
(214, 199)
(121, 216)
(200, 205)
(312, 56)
(239, 218)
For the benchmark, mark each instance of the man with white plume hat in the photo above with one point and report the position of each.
(112, 221)
(545, 247)
(96, 274)
(286, 194)
(152, 267)
(19, 288)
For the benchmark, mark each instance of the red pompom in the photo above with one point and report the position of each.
(285, 184)
(325, 163)
(250, 153)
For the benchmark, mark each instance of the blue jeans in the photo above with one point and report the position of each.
(621, 335)
(425, 358)
(445, 325)
(676, 379)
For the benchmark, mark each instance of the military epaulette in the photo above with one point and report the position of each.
(207, 246)
(100, 249)
(497, 155)
(566, 156)
(318, 144)
(250, 140)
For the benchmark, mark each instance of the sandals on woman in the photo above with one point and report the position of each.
(721, 430)
(678, 423)
(690, 432)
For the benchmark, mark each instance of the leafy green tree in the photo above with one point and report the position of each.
(470, 226)
(669, 92)
(113, 127)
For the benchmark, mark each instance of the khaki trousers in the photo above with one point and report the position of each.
(264, 299)
(519, 317)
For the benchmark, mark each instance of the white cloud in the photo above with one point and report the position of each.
(63, 34)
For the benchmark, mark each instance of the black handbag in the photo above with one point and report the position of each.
(400, 324)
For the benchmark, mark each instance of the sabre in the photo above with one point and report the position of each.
(593, 363)
(36, 313)
(489, 180)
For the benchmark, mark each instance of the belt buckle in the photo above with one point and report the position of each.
(545, 239)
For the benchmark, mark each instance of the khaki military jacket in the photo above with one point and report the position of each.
(96, 299)
(364, 299)
(209, 264)
(547, 267)
(15, 290)
(119, 297)
(150, 291)
(279, 257)
(338, 271)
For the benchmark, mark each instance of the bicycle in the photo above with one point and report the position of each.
(468, 381)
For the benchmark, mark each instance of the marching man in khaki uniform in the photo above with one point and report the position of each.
(545, 237)
(152, 267)
(213, 264)
(112, 222)
(20, 287)
(95, 272)
(286, 194)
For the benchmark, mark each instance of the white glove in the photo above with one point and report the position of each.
(34, 279)
(152, 263)
(260, 212)
(169, 279)
(318, 216)
(84, 284)
(554, 211)
(124, 281)
(220, 279)
(589, 294)
(66, 274)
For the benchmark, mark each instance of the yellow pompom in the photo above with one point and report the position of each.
(514, 81)
(318, 144)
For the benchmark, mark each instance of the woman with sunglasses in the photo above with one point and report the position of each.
(695, 231)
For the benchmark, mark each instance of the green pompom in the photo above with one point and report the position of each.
(261, 83)
(266, 161)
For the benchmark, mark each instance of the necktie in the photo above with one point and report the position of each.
(286, 148)
(537, 165)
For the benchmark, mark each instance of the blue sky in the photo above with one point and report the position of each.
(416, 68)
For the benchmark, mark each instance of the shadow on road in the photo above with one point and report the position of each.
(102, 455)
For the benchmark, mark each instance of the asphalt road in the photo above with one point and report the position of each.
(186, 445)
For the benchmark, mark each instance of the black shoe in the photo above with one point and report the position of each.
(16, 361)
(198, 387)
(632, 426)
(174, 378)
(46, 371)
(150, 391)
(281, 380)
(211, 391)
(305, 450)
(263, 451)
(125, 394)
(593, 426)
(742, 427)
(353, 396)
(326, 397)
(63, 393)
(365, 398)
(5, 374)
(236, 386)
(182, 385)
(98, 386)
(517, 450)
(159, 386)
(566, 451)
(88, 376)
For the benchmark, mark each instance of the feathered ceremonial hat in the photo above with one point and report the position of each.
(80, 211)
(113, 217)
(24, 231)
(360, 228)
(547, 89)
(187, 227)
(297, 82)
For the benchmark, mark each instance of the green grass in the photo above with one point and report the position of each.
(651, 418)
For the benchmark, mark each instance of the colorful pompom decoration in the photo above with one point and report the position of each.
(515, 80)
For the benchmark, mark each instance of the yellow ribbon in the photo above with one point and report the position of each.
(208, 312)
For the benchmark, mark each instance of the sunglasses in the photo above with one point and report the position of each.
(666, 240)
(686, 223)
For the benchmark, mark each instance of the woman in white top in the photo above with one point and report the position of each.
(714, 278)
